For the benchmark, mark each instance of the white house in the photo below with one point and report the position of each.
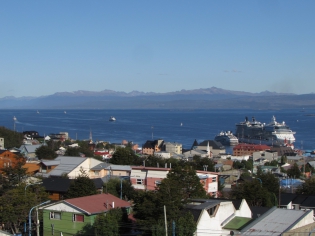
(218, 217)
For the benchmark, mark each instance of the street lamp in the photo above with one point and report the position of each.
(121, 179)
(25, 199)
(29, 216)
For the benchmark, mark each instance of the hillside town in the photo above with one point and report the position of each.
(55, 185)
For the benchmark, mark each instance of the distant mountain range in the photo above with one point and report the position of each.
(209, 98)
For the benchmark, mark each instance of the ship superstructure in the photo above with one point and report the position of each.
(226, 138)
(274, 133)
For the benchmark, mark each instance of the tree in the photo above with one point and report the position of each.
(186, 225)
(106, 225)
(125, 156)
(81, 186)
(178, 188)
(308, 187)
(294, 171)
(254, 193)
(200, 162)
(11, 138)
(147, 208)
(45, 152)
(16, 203)
(13, 175)
(72, 152)
(113, 187)
(269, 182)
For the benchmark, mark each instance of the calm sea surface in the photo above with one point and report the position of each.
(141, 125)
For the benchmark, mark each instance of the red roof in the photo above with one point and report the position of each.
(98, 203)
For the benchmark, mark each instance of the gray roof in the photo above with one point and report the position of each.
(51, 163)
(312, 163)
(107, 166)
(67, 164)
(30, 148)
(278, 221)
(194, 151)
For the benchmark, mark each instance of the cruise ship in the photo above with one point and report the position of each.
(226, 138)
(274, 133)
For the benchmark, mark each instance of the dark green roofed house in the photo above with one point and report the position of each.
(67, 217)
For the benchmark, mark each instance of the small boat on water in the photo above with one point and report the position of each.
(112, 118)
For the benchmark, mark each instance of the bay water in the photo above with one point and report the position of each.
(183, 126)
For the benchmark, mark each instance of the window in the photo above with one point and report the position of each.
(96, 172)
(157, 182)
(78, 218)
(214, 179)
(55, 215)
(139, 181)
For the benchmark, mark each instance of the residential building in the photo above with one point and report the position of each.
(173, 147)
(28, 150)
(267, 155)
(212, 147)
(8, 159)
(243, 149)
(67, 165)
(283, 151)
(147, 178)
(219, 216)
(163, 154)
(209, 181)
(68, 217)
(56, 187)
(150, 147)
(278, 221)
(195, 152)
(106, 169)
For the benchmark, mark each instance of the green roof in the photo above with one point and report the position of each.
(237, 223)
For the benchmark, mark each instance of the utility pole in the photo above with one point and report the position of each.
(165, 220)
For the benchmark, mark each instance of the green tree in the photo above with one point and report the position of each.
(308, 187)
(294, 171)
(200, 162)
(125, 156)
(12, 176)
(186, 225)
(178, 188)
(16, 203)
(53, 145)
(146, 208)
(113, 187)
(11, 138)
(45, 152)
(81, 186)
(272, 163)
(269, 182)
(106, 225)
(72, 152)
(283, 159)
(254, 193)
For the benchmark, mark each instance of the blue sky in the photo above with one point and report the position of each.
(156, 46)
